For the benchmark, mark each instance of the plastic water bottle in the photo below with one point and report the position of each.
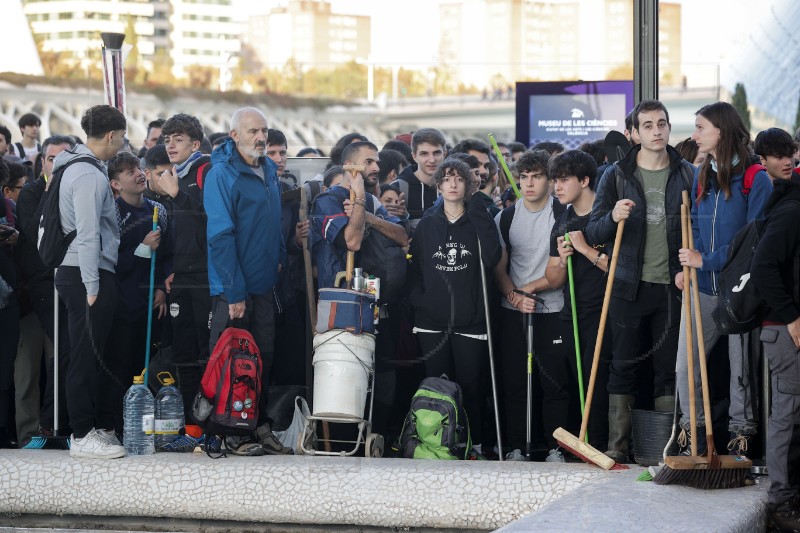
(138, 409)
(169, 411)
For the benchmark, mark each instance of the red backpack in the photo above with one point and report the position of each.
(227, 402)
(749, 177)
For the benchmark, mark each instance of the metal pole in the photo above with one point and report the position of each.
(645, 50)
(113, 71)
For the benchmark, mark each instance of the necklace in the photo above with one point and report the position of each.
(456, 216)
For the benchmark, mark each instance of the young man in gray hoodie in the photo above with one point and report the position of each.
(86, 278)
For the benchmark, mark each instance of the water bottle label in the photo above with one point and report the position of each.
(148, 424)
(168, 426)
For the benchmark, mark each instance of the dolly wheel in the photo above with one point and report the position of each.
(373, 446)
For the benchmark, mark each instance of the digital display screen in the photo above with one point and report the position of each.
(571, 113)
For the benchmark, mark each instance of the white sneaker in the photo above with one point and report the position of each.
(555, 456)
(109, 437)
(95, 446)
(516, 455)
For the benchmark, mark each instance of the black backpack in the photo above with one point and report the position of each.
(507, 217)
(383, 258)
(53, 243)
(740, 308)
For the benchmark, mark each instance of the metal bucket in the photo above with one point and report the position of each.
(651, 431)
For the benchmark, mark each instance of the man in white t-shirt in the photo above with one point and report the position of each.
(525, 235)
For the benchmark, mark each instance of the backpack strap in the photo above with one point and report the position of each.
(506, 218)
(750, 176)
(20, 150)
(201, 174)
(558, 208)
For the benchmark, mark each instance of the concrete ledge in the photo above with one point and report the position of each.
(287, 490)
(620, 503)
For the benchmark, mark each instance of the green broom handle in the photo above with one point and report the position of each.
(571, 277)
(505, 167)
(150, 301)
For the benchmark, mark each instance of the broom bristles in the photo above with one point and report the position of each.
(728, 472)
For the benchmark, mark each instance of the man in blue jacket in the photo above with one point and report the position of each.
(245, 247)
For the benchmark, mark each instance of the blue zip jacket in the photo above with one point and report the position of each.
(245, 245)
(716, 220)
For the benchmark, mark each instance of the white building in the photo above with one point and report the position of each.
(191, 32)
(203, 32)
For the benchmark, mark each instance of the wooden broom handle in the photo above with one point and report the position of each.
(351, 256)
(598, 346)
(701, 353)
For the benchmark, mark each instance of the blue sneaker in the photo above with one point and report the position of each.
(183, 444)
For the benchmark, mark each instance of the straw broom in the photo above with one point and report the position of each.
(709, 471)
(576, 445)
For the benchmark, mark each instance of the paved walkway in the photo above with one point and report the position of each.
(460, 495)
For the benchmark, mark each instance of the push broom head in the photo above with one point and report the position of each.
(48, 442)
(585, 452)
(721, 472)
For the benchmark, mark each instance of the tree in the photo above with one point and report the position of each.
(739, 101)
(797, 119)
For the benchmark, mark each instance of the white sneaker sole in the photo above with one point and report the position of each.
(89, 455)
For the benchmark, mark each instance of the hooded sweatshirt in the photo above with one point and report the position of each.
(419, 196)
(87, 205)
(444, 276)
(776, 263)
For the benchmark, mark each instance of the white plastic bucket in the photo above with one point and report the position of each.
(342, 364)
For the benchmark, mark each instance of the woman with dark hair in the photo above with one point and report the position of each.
(723, 204)
(446, 289)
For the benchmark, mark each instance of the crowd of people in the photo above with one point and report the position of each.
(426, 217)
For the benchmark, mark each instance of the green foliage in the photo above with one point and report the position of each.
(739, 101)
(797, 119)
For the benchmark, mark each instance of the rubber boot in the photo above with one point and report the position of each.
(619, 426)
(664, 404)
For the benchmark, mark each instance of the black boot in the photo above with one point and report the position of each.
(685, 441)
(619, 426)
(785, 517)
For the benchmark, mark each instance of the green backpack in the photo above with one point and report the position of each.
(436, 426)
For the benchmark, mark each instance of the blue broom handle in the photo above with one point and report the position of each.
(150, 300)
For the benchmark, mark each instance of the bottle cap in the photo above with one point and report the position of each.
(139, 380)
(167, 380)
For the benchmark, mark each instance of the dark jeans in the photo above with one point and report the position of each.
(89, 327)
(550, 369)
(587, 336)
(289, 365)
(42, 298)
(646, 328)
(464, 360)
(259, 320)
(9, 340)
(125, 354)
(189, 310)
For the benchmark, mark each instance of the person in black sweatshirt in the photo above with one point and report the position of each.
(446, 289)
(9, 311)
(137, 241)
(180, 184)
(776, 273)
